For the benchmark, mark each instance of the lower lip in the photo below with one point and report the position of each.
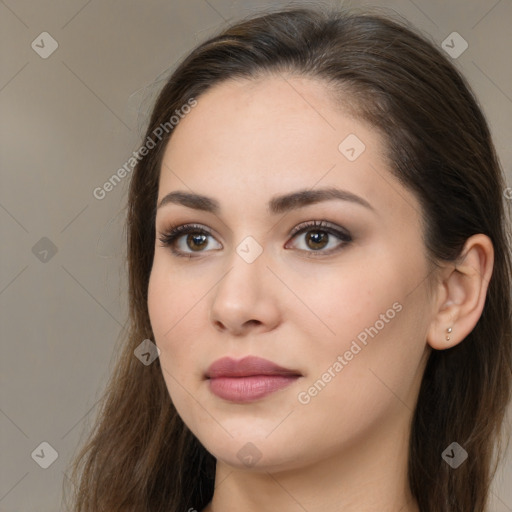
(248, 389)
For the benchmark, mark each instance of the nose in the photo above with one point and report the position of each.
(245, 300)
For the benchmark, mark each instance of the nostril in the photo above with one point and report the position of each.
(218, 325)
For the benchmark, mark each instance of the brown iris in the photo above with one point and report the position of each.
(194, 237)
(318, 238)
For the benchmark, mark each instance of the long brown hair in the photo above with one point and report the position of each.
(140, 456)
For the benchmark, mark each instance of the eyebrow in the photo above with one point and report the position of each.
(276, 205)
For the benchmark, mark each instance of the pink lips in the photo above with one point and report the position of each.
(248, 379)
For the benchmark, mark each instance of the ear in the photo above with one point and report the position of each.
(461, 293)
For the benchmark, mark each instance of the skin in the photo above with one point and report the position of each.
(346, 449)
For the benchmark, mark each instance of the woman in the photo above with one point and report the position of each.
(318, 248)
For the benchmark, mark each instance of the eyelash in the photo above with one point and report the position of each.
(169, 238)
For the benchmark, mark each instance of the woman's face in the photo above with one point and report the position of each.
(343, 306)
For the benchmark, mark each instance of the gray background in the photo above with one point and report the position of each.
(68, 122)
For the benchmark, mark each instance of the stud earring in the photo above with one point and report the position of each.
(449, 330)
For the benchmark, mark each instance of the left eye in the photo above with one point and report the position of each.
(196, 238)
(319, 237)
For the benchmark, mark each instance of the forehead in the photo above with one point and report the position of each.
(286, 122)
(251, 139)
(293, 107)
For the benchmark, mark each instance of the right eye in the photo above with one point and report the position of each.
(196, 238)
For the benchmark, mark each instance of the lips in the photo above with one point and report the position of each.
(248, 379)
(246, 367)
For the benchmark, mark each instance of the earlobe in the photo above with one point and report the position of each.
(462, 292)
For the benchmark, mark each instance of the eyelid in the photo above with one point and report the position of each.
(320, 225)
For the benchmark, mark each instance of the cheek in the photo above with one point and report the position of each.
(167, 309)
(172, 296)
(176, 302)
(344, 300)
(161, 303)
(373, 316)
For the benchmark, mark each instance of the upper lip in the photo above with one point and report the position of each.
(246, 367)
